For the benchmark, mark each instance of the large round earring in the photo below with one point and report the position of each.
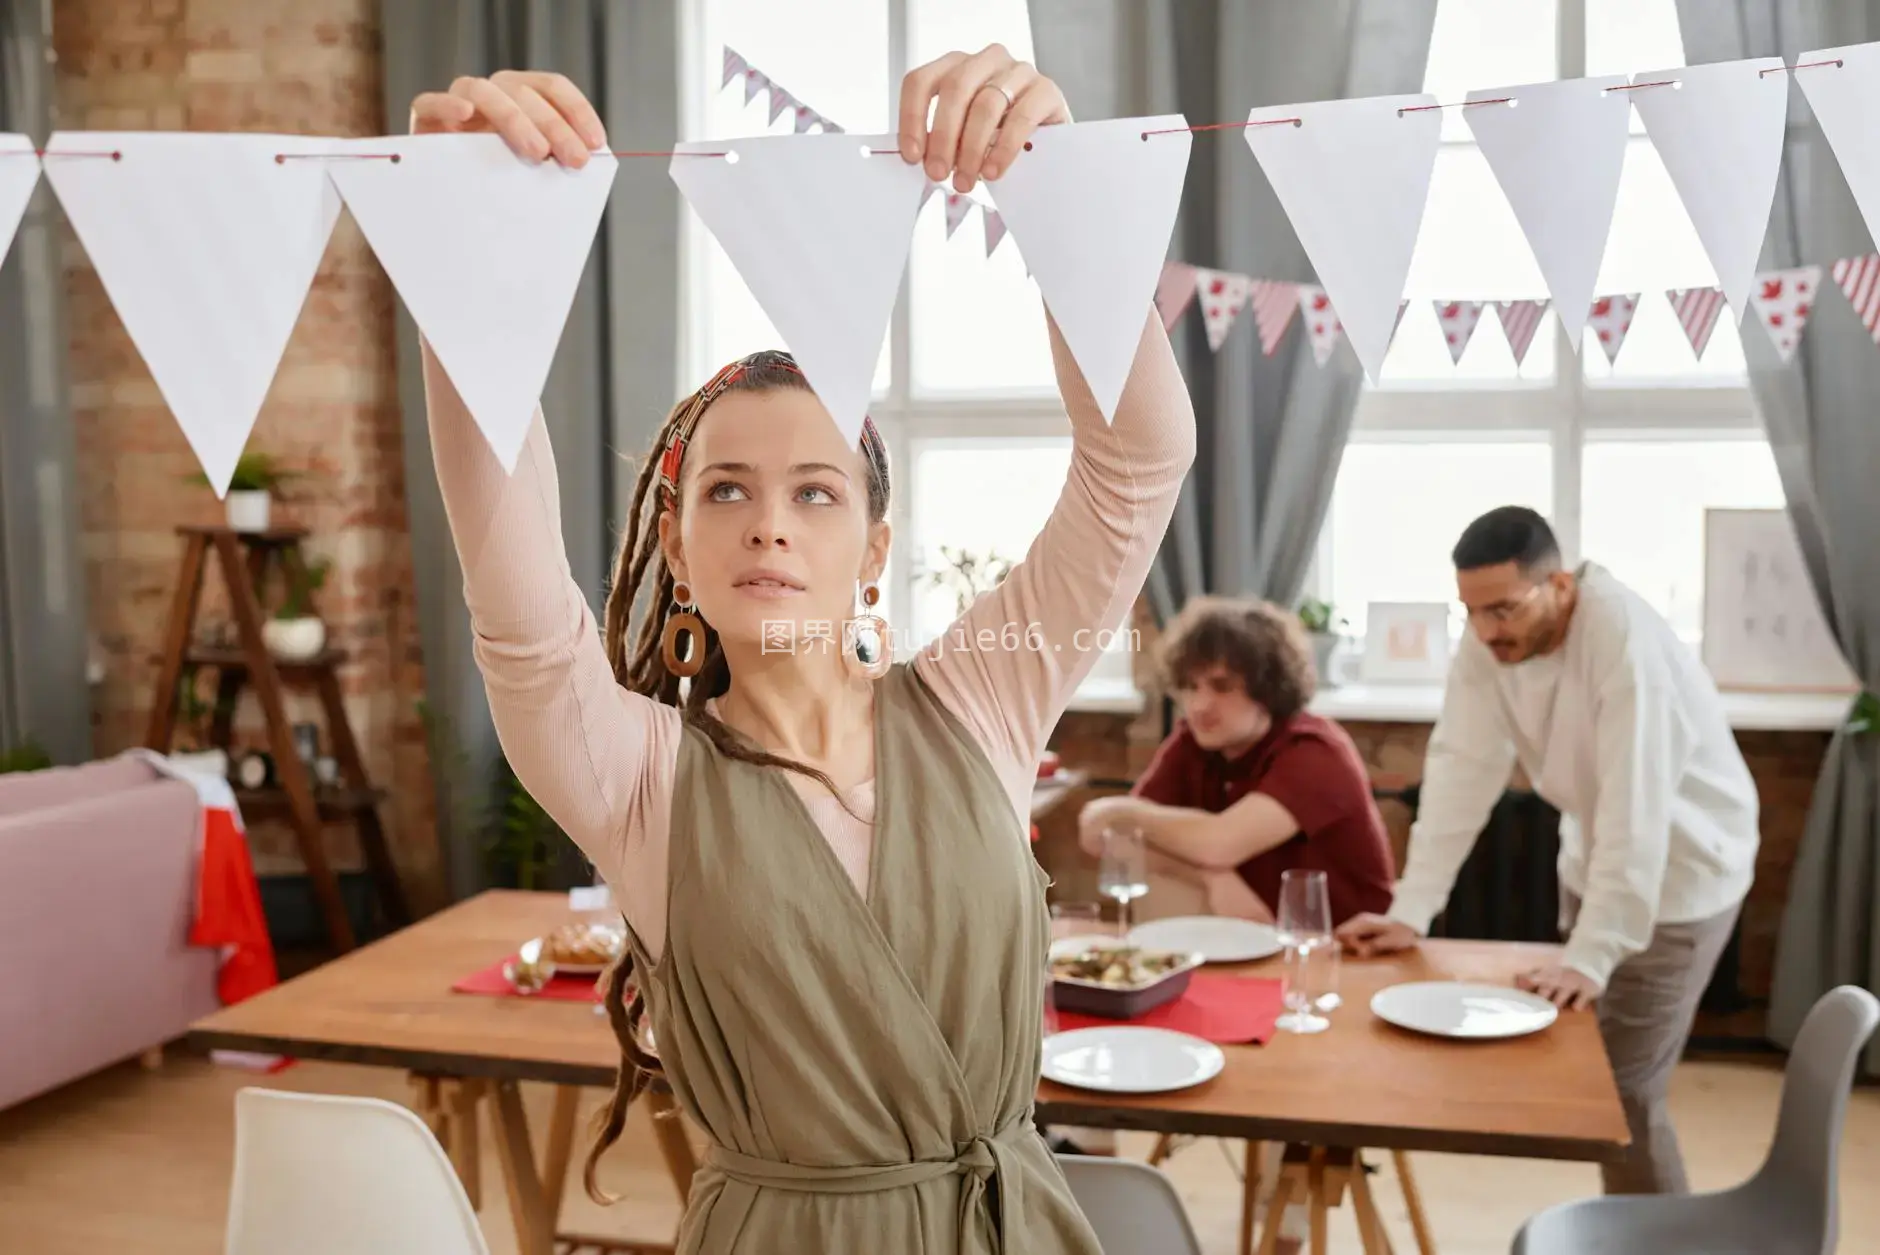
(867, 644)
(683, 620)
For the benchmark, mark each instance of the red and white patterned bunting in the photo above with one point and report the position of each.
(1609, 320)
(1697, 310)
(1321, 321)
(806, 117)
(734, 66)
(1859, 278)
(958, 206)
(1222, 294)
(1519, 321)
(1274, 302)
(1782, 300)
(781, 101)
(995, 230)
(1457, 321)
(1174, 292)
(755, 81)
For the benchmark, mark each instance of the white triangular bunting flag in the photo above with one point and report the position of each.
(780, 101)
(1353, 177)
(806, 118)
(1519, 321)
(486, 250)
(1096, 254)
(1843, 90)
(19, 175)
(1457, 321)
(206, 246)
(1321, 321)
(1719, 129)
(1174, 292)
(734, 66)
(1783, 300)
(1697, 310)
(1274, 302)
(1222, 294)
(819, 230)
(1557, 150)
(957, 207)
(1859, 278)
(829, 128)
(995, 229)
(755, 81)
(1609, 320)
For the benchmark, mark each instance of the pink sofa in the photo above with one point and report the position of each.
(97, 888)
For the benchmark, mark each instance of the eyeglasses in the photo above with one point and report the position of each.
(1503, 611)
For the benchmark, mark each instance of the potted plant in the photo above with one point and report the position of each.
(296, 633)
(968, 574)
(250, 491)
(1322, 621)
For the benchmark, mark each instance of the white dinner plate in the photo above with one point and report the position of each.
(1457, 1009)
(1130, 1059)
(1216, 938)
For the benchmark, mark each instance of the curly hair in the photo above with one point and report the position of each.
(1265, 645)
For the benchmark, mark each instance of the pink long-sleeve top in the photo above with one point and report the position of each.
(602, 760)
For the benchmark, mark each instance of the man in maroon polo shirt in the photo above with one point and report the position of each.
(1250, 784)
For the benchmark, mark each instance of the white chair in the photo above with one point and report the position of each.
(1787, 1208)
(1133, 1207)
(319, 1174)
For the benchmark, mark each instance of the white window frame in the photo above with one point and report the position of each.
(1567, 410)
(907, 420)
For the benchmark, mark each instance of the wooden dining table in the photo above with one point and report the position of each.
(1362, 1084)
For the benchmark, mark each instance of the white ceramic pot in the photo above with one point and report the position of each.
(294, 640)
(247, 510)
(1324, 646)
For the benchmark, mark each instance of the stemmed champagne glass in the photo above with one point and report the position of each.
(1305, 929)
(1122, 874)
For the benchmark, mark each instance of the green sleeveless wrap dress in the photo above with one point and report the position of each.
(865, 1067)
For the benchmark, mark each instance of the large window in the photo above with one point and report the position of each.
(965, 394)
(1623, 459)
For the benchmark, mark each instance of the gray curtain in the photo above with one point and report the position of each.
(43, 651)
(1819, 415)
(1271, 431)
(616, 373)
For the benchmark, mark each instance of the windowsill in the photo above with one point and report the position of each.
(1359, 702)
(1105, 696)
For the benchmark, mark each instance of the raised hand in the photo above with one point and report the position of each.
(539, 115)
(988, 105)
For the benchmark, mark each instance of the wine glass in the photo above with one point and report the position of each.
(1068, 919)
(1305, 929)
(1122, 874)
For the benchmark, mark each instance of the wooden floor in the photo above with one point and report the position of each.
(130, 1161)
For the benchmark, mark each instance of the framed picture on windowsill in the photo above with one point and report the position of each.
(1406, 642)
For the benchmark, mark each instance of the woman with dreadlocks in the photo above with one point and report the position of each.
(835, 924)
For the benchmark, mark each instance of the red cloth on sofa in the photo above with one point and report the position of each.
(228, 897)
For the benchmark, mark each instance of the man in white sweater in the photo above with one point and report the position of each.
(1619, 726)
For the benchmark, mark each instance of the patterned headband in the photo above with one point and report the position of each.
(701, 400)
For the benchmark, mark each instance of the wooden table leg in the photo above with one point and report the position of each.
(1163, 1145)
(1413, 1202)
(461, 1099)
(1250, 1195)
(560, 1150)
(674, 1145)
(1371, 1234)
(1276, 1213)
(1315, 1196)
(535, 1221)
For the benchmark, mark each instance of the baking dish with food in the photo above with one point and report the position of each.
(1119, 981)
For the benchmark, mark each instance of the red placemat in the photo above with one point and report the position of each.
(1225, 1009)
(491, 981)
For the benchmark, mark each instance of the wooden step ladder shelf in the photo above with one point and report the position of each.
(245, 559)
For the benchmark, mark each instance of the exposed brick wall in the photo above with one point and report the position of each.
(1785, 765)
(298, 67)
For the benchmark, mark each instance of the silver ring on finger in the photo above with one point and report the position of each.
(1010, 100)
